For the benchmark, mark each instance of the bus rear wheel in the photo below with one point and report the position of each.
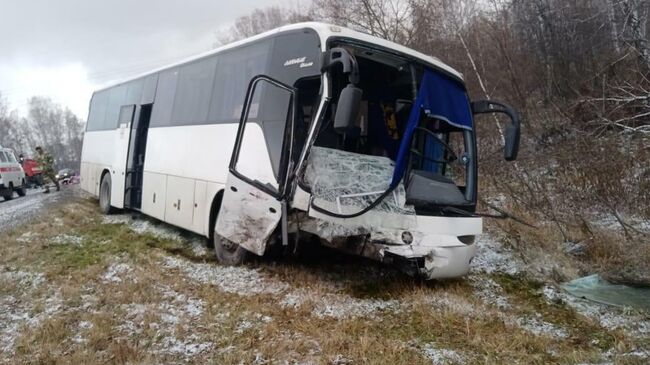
(105, 195)
(229, 253)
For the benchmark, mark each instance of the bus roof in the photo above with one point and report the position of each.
(325, 32)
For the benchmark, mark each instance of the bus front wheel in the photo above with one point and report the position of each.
(229, 253)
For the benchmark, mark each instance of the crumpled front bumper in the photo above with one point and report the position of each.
(431, 262)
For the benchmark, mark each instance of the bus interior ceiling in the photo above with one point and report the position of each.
(387, 96)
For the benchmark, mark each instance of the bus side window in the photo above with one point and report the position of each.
(165, 93)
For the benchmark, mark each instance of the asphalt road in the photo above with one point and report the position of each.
(20, 210)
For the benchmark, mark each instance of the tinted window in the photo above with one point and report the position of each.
(234, 71)
(134, 92)
(162, 107)
(126, 114)
(149, 89)
(295, 56)
(97, 113)
(193, 93)
(115, 102)
(3, 157)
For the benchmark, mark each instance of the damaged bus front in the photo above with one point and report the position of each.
(378, 159)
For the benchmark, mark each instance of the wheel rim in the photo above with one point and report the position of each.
(227, 245)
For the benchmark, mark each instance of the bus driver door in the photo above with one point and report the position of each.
(254, 200)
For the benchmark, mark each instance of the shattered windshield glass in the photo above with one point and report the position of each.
(347, 182)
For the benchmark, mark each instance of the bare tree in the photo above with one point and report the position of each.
(47, 124)
(261, 20)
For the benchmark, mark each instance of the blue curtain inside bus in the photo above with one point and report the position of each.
(439, 97)
(432, 151)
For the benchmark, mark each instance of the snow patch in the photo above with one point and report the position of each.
(343, 307)
(454, 303)
(23, 279)
(187, 348)
(492, 257)
(237, 280)
(199, 249)
(67, 239)
(27, 237)
(144, 226)
(489, 291)
(340, 360)
(609, 222)
(116, 272)
(338, 305)
(175, 313)
(442, 356)
(538, 327)
(16, 310)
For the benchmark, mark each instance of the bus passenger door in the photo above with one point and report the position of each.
(253, 202)
(135, 158)
(123, 136)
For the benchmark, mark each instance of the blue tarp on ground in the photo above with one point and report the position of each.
(440, 97)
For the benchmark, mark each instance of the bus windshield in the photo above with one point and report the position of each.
(425, 149)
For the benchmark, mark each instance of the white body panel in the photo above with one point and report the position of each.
(248, 215)
(11, 172)
(154, 193)
(178, 160)
(101, 152)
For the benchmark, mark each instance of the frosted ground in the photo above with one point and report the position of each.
(78, 287)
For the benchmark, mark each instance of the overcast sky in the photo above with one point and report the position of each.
(65, 49)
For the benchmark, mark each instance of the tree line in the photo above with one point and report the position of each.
(578, 71)
(47, 124)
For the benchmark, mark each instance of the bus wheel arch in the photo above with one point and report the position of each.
(105, 193)
(214, 211)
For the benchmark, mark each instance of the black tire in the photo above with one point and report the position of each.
(21, 190)
(229, 253)
(105, 195)
(9, 193)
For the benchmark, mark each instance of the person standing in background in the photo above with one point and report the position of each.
(46, 163)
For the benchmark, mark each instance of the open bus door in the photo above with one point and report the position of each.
(254, 199)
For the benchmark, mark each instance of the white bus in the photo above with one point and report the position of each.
(307, 134)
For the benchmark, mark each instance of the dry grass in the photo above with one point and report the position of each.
(108, 296)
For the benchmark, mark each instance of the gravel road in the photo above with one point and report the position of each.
(20, 210)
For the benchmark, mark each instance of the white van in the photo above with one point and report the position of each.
(12, 176)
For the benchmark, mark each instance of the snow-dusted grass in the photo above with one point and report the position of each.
(138, 291)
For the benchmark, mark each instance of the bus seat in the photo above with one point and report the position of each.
(426, 188)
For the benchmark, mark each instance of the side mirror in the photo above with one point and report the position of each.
(513, 130)
(512, 142)
(347, 110)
